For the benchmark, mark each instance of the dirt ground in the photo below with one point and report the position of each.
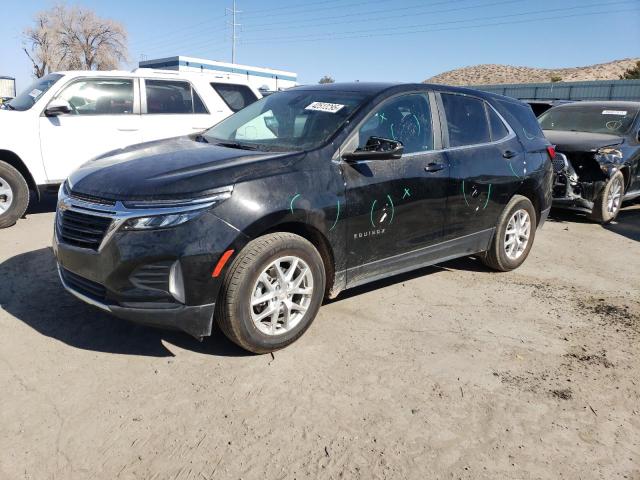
(448, 372)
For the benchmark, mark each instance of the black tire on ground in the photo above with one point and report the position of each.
(601, 212)
(496, 257)
(12, 179)
(233, 309)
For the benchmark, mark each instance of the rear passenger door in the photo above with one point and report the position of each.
(171, 108)
(487, 166)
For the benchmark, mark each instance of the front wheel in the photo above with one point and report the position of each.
(607, 205)
(14, 195)
(271, 293)
(514, 235)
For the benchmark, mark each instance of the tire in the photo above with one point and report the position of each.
(607, 205)
(244, 283)
(14, 195)
(502, 254)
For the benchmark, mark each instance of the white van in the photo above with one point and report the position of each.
(66, 118)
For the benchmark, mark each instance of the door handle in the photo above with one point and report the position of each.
(434, 167)
(509, 154)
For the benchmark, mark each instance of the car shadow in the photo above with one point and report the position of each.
(32, 293)
(626, 224)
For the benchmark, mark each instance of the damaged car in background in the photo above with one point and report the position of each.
(598, 155)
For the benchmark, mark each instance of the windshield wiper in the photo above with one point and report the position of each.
(241, 146)
(8, 106)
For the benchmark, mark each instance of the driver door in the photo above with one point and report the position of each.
(396, 208)
(104, 117)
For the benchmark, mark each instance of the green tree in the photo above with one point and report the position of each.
(632, 73)
(326, 79)
(556, 78)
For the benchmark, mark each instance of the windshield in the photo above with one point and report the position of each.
(589, 118)
(287, 121)
(30, 96)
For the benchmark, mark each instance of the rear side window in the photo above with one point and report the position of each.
(235, 96)
(466, 120)
(498, 130)
(172, 96)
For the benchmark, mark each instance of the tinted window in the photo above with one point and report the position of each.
(235, 96)
(528, 130)
(498, 129)
(99, 96)
(171, 96)
(406, 119)
(26, 99)
(466, 120)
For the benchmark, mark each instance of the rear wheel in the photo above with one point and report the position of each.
(514, 235)
(14, 195)
(607, 205)
(271, 293)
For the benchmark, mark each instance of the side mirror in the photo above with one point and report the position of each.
(377, 148)
(57, 107)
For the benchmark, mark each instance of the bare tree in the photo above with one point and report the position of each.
(74, 38)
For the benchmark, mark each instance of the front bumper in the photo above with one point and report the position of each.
(130, 275)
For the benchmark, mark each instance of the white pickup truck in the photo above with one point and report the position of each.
(66, 118)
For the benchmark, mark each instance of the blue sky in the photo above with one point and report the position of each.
(359, 40)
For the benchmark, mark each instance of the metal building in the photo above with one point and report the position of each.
(261, 78)
(590, 90)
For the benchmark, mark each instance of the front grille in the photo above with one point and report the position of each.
(91, 199)
(558, 163)
(84, 286)
(82, 229)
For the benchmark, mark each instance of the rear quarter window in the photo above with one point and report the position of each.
(524, 122)
(235, 96)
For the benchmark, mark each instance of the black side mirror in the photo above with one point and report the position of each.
(377, 148)
(57, 107)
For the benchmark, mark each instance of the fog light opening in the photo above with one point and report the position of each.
(176, 282)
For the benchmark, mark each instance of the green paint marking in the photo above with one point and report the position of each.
(406, 193)
(293, 200)
(393, 135)
(393, 209)
(514, 172)
(464, 194)
(371, 216)
(418, 122)
(337, 217)
(488, 196)
(382, 117)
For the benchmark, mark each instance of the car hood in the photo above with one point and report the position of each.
(172, 169)
(580, 141)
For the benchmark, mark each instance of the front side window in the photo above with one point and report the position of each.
(466, 120)
(99, 96)
(25, 100)
(615, 120)
(171, 97)
(235, 96)
(406, 119)
(288, 121)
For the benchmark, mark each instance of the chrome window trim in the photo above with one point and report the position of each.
(120, 213)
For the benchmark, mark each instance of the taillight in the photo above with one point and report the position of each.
(551, 150)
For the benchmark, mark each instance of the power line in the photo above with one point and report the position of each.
(380, 31)
(306, 8)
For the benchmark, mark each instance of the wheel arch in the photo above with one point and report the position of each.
(16, 162)
(529, 191)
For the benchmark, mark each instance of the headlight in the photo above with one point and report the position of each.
(170, 213)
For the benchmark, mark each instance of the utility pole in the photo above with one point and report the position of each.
(233, 11)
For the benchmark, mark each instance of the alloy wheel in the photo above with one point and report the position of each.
(516, 236)
(281, 296)
(6, 196)
(614, 197)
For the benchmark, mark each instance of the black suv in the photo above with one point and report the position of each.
(297, 197)
(598, 165)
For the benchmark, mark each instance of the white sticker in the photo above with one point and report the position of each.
(35, 92)
(622, 113)
(325, 107)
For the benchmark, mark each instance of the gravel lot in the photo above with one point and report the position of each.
(449, 372)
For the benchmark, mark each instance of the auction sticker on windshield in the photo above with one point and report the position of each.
(35, 92)
(325, 107)
(622, 113)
